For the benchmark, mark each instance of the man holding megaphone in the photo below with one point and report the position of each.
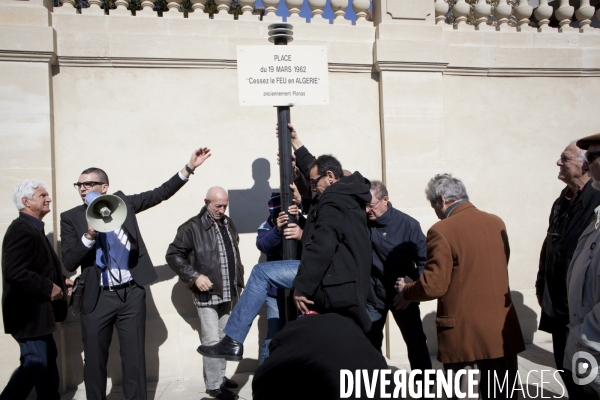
(103, 237)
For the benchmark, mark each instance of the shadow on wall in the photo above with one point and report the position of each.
(529, 325)
(72, 352)
(431, 333)
(156, 332)
(527, 317)
(248, 207)
(182, 299)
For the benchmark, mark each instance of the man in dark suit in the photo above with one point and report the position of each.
(116, 266)
(34, 294)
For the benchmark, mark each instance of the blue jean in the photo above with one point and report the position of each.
(280, 274)
(275, 321)
(38, 369)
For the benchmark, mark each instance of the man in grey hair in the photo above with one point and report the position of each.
(569, 216)
(467, 271)
(34, 294)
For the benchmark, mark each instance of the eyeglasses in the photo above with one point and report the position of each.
(313, 182)
(591, 156)
(86, 185)
(372, 206)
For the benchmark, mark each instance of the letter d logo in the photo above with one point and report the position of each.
(579, 368)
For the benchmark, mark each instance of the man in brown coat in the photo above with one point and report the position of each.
(467, 271)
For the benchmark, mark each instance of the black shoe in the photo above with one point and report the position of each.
(229, 384)
(227, 348)
(222, 394)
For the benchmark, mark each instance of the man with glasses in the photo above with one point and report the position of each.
(569, 216)
(399, 250)
(583, 288)
(333, 273)
(114, 275)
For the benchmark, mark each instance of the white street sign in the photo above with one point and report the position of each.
(282, 75)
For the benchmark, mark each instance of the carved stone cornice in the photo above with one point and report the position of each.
(72, 61)
(447, 69)
(339, 67)
(28, 56)
(145, 62)
(410, 66)
(524, 72)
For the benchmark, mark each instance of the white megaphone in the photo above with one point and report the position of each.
(105, 212)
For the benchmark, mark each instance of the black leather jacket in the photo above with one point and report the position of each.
(195, 251)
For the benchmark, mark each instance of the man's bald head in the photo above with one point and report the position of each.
(216, 202)
(216, 192)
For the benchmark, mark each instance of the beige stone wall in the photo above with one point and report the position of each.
(408, 99)
(142, 133)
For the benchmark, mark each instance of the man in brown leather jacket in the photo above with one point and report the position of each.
(206, 256)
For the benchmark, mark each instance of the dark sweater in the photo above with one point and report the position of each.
(399, 250)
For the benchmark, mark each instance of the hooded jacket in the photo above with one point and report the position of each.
(336, 250)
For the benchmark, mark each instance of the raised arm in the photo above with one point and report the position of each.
(143, 201)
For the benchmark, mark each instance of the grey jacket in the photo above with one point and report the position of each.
(583, 288)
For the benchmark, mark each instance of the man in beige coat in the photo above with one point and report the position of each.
(467, 271)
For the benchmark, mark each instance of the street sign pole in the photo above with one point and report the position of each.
(280, 34)
(283, 76)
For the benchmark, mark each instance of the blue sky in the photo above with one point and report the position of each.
(306, 13)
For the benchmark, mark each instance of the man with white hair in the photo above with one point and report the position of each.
(582, 347)
(569, 216)
(206, 256)
(34, 294)
(467, 271)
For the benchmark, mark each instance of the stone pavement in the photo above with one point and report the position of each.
(532, 361)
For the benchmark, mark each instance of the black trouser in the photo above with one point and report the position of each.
(411, 327)
(124, 309)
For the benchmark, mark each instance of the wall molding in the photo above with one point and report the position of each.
(70, 61)
(28, 56)
(444, 68)
(447, 69)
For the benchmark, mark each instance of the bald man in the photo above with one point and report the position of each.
(206, 257)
